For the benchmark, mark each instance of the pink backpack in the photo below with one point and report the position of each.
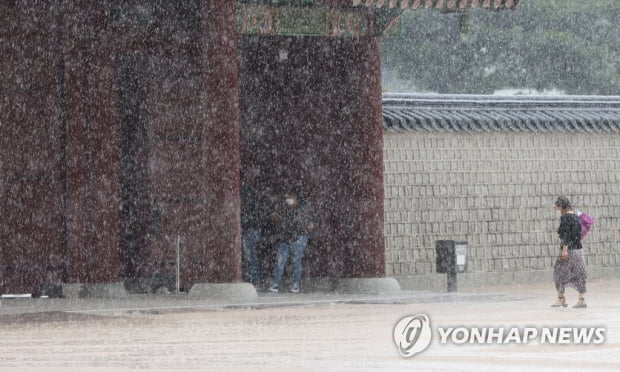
(586, 224)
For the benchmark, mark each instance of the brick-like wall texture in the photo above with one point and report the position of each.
(496, 191)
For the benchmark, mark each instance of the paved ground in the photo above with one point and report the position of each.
(306, 332)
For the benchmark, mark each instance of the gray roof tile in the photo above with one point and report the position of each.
(478, 113)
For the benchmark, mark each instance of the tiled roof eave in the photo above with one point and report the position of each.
(447, 5)
(467, 113)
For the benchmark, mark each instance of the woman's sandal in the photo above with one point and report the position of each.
(581, 304)
(560, 303)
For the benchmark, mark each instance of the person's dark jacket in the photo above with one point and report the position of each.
(292, 224)
(255, 207)
(570, 231)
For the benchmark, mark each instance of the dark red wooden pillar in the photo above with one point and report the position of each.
(222, 244)
(91, 145)
(30, 146)
(364, 256)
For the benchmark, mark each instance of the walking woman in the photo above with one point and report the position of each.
(570, 268)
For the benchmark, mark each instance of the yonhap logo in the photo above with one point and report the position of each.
(412, 335)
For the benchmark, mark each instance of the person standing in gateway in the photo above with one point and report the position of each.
(293, 225)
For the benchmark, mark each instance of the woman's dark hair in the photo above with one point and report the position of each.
(563, 202)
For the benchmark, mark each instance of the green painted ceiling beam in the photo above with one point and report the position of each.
(288, 20)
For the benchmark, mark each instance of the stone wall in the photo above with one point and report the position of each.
(496, 191)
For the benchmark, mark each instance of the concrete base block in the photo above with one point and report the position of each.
(367, 285)
(430, 282)
(437, 282)
(602, 272)
(94, 290)
(223, 291)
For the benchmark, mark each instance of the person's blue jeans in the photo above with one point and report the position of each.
(250, 240)
(295, 248)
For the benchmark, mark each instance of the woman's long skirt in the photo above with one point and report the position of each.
(571, 272)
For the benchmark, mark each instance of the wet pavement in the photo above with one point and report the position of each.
(302, 332)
